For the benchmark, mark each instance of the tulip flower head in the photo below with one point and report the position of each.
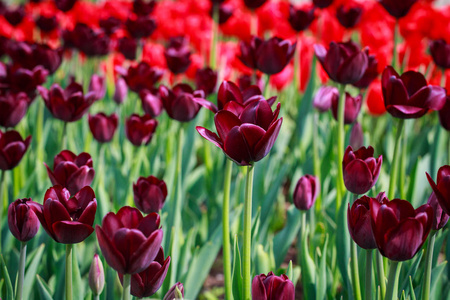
(441, 187)
(178, 55)
(352, 107)
(300, 19)
(322, 3)
(121, 91)
(13, 108)
(306, 192)
(370, 74)
(96, 275)
(272, 287)
(140, 76)
(151, 103)
(324, 98)
(254, 4)
(397, 9)
(349, 17)
(206, 80)
(440, 52)
(22, 221)
(180, 102)
(140, 26)
(12, 149)
(176, 292)
(149, 194)
(140, 129)
(103, 126)
(440, 216)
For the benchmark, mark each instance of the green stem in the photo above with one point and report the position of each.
(340, 188)
(214, 37)
(126, 287)
(96, 297)
(297, 65)
(392, 288)
(317, 161)
(64, 137)
(402, 166)
(226, 230)
(69, 272)
(23, 254)
(247, 251)
(380, 271)
(355, 272)
(3, 200)
(394, 50)
(394, 162)
(368, 291)
(428, 267)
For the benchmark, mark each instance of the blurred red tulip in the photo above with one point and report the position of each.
(375, 103)
(103, 126)
(351, 110)
(140, 130)
(306, 192)
(12, 149)
(272, 287)
(149, 194)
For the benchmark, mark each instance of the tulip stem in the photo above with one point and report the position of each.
(340, 151)
(368, 291)
(394, 162)
(214, 37)
(317, 162)
(226, 230)
(248, 233)
(394, 50)
(3, 200)
(297, 74)
(428, 267)
(380, 271)
(126, 287)
(23, 254)
(355, 272)
(63, 137)
(392, 288)
(69, 271)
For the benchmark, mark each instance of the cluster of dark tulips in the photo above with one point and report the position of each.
(81, 57)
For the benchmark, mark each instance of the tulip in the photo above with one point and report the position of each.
(22, 221)
(441, 187)
(397, 9)
(176, 292)
(23, 80)
(88, 41)
(440, 52)
(254, 4)
(127, 46)
(248, 51)
(140, 27)
(141, 76)
(356, 136)
(271, 287)
(15, 16)
(121, 91)
(67, 220)
(225, 13)
(206, 80)
(96, 276)
(230, 95)
(149, 194)
(30, 56)
(351, 110)
(306, 192)
(324, 97)
(148, 282)
(322, 3)
(178, 55)
(180, 102)
(440, 216)
(98, 85)
(12, 149)
(68, 105)
(128, 241)
(151, 103)
(361, 169)
(13, 108)
(46, 23)
(370, 75)
(143, 8)
(140, 130)
(71, 171)
(65, 5)
(103, 126)
(110, 25)
(398, 229)
(245, 81)
(444, 114)
(274, 54)
(344, 62)
(408, 96)
(349, 17)
(300, 19)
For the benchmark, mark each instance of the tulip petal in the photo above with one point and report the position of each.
(258, 288)
(129, 217)
(149, 224)
(146, 253)
(71, 232)
(395, 92)
(225, 121)
(268, 140)
(236, 148)
(404, 240)
(358, 177)
(353, 68)
(88, 214)
(429, 97)
(210, 136)
(112, 256)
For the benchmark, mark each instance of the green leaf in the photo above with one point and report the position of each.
(411, 289)
(31, 271)
(322, 276)
(44, 290)
(285, 237)
(77, 282)
(343, 245)
(411, 272)
(308, 268)
(5, 274)
(435, 278)
(237, 274)
(289, 270)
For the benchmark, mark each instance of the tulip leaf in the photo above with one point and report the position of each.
(237, 274)
(411, 289)
(343, 245)
(31, 272)
(308, 268)
(435, 278)
(7, 279)
(283, 240)
(321, 281)
(77, 282)
(44, 289)
(411, 272)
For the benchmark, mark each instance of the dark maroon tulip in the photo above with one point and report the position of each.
(129, 242)
(12, 149)
(324, 97)
(15, 16)
(103, 126)
(67, 220)
(178, 55)
(361, 169)
(440, 217)
(68, 105)
(356, 136)
(440, 52)
(274, 54)
(30, 56)
(306, 192)
(47, 23)
(300, 19)
(98, 85)
(110, 25)
(148, 282)
(143, 8)
(128, 47)
(176, 292)
(444, 114)
(206, 80)
(225, 12)
(322, 3)
(408, 96)
(151, 103)
(344, 62)
(22, 221)
(71, 171)
(121, 91)
(248, 51)
(84, 38)
(140, 27)
(245, 81)
(359, 221)
(96, 276)
(2, 7)
(254, 4)
(65, 5)
(180, 102)
(399, 230)
(149, 194)
(349, 17)
(247, 137)
(23, 80)
(13, 108)
(397, 9)
(3, 43)
(370, 75)
(271, 287)
(351, 110)
(442, 187)
(141, 76)
(140, 130)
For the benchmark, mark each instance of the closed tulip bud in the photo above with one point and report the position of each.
(96, 276)
(322, 3)
(409, 96)
(444, 114)
(139, 130)
(22, 221)
(121, 91)
(361, 169)
(103, 126)
(46, 23)
(356, 136)
(440, 52)
(65, 5)
(324, 97)
(271, 287)
(98, 85)
(176, 292)
(351, 109)
(397, 9)
(180, 103)
(349, 17)
(254, 4)
(178, 55)
(151, 103)
(110, 25)
(206, 80)
(13, 108)
(441, 187)
(140, 27)
(300, 19)
(149, 194)
(274, 54)
(12, 149)
(440, 217)
(306, 192)
(344, 63)
(128, 47)
(15, 16)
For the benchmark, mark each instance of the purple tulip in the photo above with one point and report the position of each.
(397, 9)
(12, 149)
(180, 102)
(440, 217)
(13, 108)
(178, 55)
(441, 187)
(324, 97)
(271, 287)
(22, 221)
(349, 17)
(139, 130)
(103, 126)
(306, 192)
(151, 103)
(96, 276)
(301, 19)
(140, 27)
(149, 194)
(351, 109)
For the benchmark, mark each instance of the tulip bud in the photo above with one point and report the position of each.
(178, 55)
(97, 85)
(324, 97)
(444, 114)
(351, 110)
(349, 17)
(272, 287)
(176, 292)
(306, 191)
(440, 217)
(356, 136)
(139, 130)
(13, 108)
(22, 221)
(121, 91)
(12, 149)
(206, 80)
(149, 194)
(96, 276)
(300, 19)
(440, 52)
(103, 126)
(151, 104)
(441, 187)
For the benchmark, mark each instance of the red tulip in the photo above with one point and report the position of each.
(103, 126)
(68, 220)
(22, 221)
(442, 187)
(71, 171)
(271, 287)
(140, 130)
(129, 242)
(408, 96)
(306, 192)
(397, 9)
(12, 149)
(149, 194)
(440, 52)
(178, 55)
(180, 102)
(13, 108)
